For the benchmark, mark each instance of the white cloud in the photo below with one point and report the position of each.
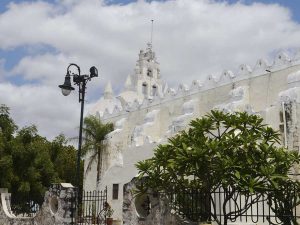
(44, 106)
(192, 38)
(2, 70)
(47, 68)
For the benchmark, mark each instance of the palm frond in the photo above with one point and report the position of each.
(94, 133)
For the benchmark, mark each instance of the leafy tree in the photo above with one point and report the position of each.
(94, 135)
(29, 163)
(64, 158)
(234, 152)
(7, 125)
(7, 129)
(32, 168)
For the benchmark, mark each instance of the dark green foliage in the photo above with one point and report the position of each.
(64, 159)
(284, 199)
(32, 167)
(7, 129)
(236, 152)
(29, 163)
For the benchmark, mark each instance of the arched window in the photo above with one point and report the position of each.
(145, 89)
(149, 73)
(154, 90)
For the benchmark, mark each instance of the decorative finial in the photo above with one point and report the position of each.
(151, 37)
(108, 92)
(151, 31)
(128, 83)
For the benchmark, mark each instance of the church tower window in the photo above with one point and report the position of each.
(154, 90)
(144, 89)
(149, 73)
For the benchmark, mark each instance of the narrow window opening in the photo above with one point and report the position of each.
(144, 89)
(115, 194)
(149, 73)
(154, 90)
(282, 126)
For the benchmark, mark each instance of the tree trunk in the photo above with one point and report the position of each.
(99, 165)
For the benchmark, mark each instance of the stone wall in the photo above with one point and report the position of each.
(56, 209)
(136, 213)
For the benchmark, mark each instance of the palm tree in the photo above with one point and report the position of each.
(94, 135)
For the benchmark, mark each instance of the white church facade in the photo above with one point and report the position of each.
(147, 112)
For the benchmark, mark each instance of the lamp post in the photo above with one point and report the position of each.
(66, 88)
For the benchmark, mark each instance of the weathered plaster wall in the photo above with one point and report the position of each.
(142, 125)
(118, 175)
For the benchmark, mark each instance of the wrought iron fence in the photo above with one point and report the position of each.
(23, 207)
(92, 209)
(227, 205)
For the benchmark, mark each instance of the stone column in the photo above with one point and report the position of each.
(58, 207)
(136, 211)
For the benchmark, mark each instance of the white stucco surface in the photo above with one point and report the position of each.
(147, 118)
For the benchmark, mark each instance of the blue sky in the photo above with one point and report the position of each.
(12, 56)
(293, 5)
(192, 38)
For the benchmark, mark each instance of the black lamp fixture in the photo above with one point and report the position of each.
(78, 79)
(66, 88)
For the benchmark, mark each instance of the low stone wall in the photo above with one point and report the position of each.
(56, 209)
(135, 210)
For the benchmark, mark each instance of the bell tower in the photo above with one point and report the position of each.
(147, 79)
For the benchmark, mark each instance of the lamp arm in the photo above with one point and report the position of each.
(73, 64)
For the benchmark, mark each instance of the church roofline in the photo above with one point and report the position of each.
(281, 61)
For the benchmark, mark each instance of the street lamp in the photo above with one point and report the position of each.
(66, 88)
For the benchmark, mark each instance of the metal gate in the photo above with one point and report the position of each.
(92, 209)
